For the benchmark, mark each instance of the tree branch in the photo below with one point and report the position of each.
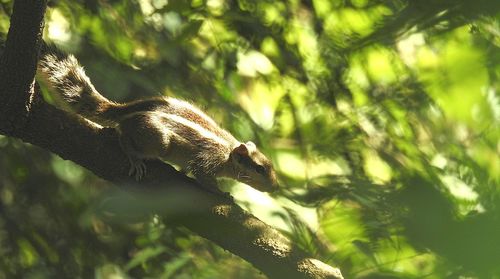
(25, 115)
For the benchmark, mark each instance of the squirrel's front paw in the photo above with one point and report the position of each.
(211, 186)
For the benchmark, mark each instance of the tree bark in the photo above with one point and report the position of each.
(26, 116)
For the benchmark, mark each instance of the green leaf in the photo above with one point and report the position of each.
(144, 255)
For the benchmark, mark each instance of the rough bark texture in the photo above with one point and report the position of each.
(25, 115)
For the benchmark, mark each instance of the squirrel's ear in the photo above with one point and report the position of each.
(241, 150)
(250, 145)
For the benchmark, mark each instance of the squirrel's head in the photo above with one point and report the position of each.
(253, 168)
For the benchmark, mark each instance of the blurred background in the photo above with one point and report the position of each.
(381, 117)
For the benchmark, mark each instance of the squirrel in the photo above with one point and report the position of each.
(162, 128)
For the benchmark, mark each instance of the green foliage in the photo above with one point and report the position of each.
(382, 118)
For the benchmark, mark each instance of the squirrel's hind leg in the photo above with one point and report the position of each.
(137, 166)
(141, 138)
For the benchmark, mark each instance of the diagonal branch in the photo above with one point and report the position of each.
(173, 195)
(25, 115)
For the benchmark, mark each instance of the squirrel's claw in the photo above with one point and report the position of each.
(137, 169)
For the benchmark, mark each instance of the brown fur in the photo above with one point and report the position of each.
(159, 128)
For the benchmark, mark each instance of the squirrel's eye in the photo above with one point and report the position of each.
(260, 169)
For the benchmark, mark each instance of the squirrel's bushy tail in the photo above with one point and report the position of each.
(65, 76)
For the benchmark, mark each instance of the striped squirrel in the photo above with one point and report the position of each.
(158, 128)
